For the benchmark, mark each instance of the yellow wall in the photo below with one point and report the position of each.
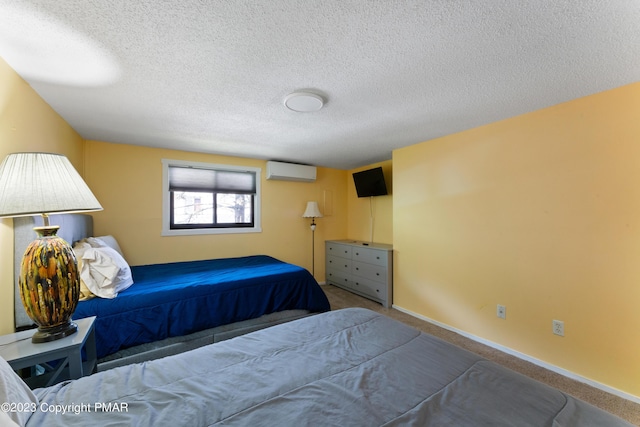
(367, 211)
(27, 123)
(127, 180)
(540, 213)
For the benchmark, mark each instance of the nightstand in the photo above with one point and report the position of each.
(20, 352)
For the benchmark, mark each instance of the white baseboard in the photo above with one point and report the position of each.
(528, 358)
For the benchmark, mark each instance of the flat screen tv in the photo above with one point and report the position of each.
(370, 183)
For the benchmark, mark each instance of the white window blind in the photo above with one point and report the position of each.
(197, 179)
(204, 198)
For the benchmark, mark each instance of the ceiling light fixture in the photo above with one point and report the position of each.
(303, 102)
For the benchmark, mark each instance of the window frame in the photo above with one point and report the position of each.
(199, 229)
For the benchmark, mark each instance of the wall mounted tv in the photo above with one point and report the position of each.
(370, 183)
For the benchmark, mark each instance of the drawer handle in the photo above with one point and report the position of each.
(377, 274)
(357, 253)
(377, 257)
(357, 269)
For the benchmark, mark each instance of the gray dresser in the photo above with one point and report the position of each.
(363, 268)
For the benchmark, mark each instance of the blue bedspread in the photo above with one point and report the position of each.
(175, 299)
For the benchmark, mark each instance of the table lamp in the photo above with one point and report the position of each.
(49, 282)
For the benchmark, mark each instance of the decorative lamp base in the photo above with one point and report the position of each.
(55, 333)
(49, 285)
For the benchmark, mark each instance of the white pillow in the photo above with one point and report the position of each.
(102, 241)
(14, 391)
(102, 270)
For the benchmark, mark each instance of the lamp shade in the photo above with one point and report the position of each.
(312, 211)
(42, 183)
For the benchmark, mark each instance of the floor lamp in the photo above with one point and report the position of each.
(49, 281)
(312, 212)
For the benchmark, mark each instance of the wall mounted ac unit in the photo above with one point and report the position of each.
(290, 172)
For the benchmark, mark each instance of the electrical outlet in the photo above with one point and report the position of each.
(558, 327)
(501, 311)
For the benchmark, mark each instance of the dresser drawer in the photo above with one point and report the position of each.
(370, 256)
(338, 264)
(338, 278)
(377, 291)
(337, 249)
(372, 272)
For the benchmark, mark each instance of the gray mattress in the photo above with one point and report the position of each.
(349, 367)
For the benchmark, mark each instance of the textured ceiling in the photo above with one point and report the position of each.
(211, 76)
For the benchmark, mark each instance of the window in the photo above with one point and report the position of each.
(203, 198)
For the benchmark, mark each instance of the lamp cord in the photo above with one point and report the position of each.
(371, 217)
(13, 342)
(313, 247)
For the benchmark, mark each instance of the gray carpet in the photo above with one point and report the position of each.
(623, 408)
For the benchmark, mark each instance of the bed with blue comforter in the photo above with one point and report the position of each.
(175, 307)
(176, 299)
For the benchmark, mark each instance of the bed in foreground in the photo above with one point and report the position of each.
(348, 367)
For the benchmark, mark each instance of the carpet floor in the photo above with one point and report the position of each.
(623, 408)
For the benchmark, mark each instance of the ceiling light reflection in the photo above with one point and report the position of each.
(41, 48)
